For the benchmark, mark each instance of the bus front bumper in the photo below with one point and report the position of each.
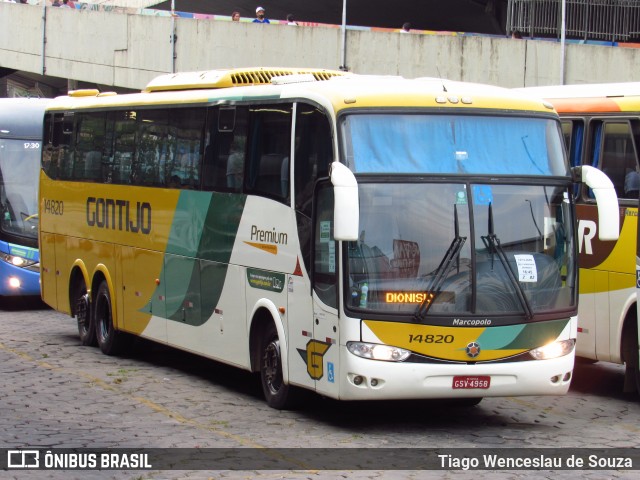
(364, 379)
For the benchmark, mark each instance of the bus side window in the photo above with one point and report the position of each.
(155, 146)
(188, 124)
(224, 157)
(269, 147)
(573, 133)
(90, 136)
(58, 156)
(618, 158)
(324, 272)
(118, 163)
(48, 141)
(313, 153)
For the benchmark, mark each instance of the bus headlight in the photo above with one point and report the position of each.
(376, 351)
(553, 350)
(17, 261)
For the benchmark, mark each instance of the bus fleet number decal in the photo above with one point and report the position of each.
(54, 207)
(430, 338)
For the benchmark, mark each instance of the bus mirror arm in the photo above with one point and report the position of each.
(346, 207)
(606, 199)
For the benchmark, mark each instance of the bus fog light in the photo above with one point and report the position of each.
(375, 351)
(555, 379)
(567, 377)
(374, 382)
(358, 380)
(14, 282)
(553, 350)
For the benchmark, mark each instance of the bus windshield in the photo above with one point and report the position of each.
(19, 170)
(464, 144)
(463, 249)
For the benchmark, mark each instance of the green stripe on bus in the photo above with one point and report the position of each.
(521, 337)
(202, 236)
(538, 334)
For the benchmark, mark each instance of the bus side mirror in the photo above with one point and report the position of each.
(346, 206)
(606, 199)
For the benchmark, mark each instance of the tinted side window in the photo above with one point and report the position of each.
(89, 148)
(313, 153)
(156, 144)
(618, 158)
(184, 168)
(325, 267)
(155, 147)
(57, 145)
(118, 161)
(269, 146)
(225, 153)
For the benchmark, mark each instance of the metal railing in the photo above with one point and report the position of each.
(608, 20)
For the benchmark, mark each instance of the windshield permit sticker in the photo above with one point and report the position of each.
(482, 195)
(325, 231)
(461, 197)
(527, 271)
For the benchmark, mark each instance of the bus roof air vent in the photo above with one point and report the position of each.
(234, 77)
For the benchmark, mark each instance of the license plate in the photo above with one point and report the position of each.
(471, 382)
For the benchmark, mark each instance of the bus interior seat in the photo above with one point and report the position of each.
(631, 184)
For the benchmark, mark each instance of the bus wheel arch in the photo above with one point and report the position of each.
(80, 306)
(629, 351)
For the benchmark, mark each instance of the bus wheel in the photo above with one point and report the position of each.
(86, 327)
(277, 394)
(109, 339)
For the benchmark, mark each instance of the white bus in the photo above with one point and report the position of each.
(361, 237)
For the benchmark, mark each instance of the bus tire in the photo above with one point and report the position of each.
(82, 310)
(109, 339)
(630, 354)
(277, 394)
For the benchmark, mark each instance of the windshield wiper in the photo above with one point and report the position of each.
(452, 254)
(492, 242)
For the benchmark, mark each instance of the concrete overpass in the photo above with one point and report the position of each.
(120, 47)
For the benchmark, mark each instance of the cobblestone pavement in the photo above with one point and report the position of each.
(57, 394)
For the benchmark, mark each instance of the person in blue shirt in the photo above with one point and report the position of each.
(260, 18)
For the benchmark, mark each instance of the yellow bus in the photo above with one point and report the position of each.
(362, 237)
(601, 125)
